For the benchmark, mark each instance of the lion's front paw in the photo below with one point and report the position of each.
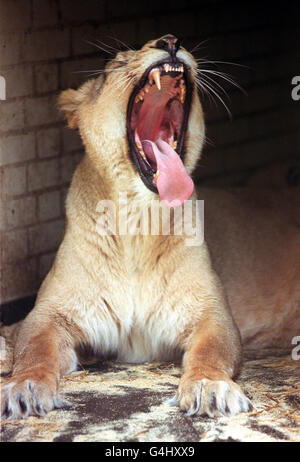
(22, 397)
(211, 397)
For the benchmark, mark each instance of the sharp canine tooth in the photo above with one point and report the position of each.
(156, 78)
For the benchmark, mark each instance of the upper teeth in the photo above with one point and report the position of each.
(154, 77)
(169, 68)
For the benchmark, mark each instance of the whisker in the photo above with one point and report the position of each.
(123, 81)
(219, 98)
(122, 43)
(204, 61)
(204, 91)
(100, 71)
(99, 47)
(108, 46)
(209, 141)
(215, 83)
(199, 45)
(224, 76)
(125, 88)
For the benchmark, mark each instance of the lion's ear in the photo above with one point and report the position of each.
(70, 100)
(68, 103)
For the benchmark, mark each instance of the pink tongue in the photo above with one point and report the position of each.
(174, 184)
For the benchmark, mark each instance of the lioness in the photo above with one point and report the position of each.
(139, 297)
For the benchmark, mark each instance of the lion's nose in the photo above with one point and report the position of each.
(170, 43)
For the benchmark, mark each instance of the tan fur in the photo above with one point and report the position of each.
(254, 240)
(138, 297)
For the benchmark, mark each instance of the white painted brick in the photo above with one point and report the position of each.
(211, 163)
(233, 158)
(121, 9)
(264, 97)
(71, 140)
(43, 174)
(19, 81)
(2, 218)
(14, 180)
(180, 25)
(46, 44)
(45, 264)
(48, 142)
(146, 30)
(267, 123)
(64, 193)
(49, 205)
(20, 212)
(45, 237)
(19, 279)
(46, 77)
(68, 165)
(42, 110)
(125, 31)
(82, 35)
(17, 148)
(10, 49)
(229, 132)
(242, 16)
(265, 150)
(205, 25)
(45, 13)
(260, 42)
(70, 77)
(14, 246)
(235, 45)
(14, 15)
(11, 115)
(73, 11)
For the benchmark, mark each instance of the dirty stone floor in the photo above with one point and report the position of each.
(117, 402)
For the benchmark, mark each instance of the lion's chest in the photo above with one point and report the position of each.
(132, 321)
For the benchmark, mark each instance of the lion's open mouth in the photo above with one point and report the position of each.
(157, 117)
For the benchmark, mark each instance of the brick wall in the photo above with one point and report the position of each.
(43, 43)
